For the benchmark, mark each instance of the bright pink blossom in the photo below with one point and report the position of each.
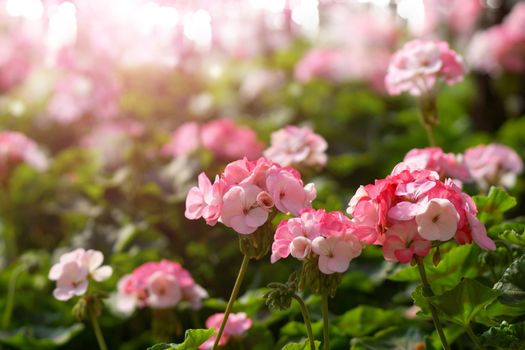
(237, 324)
(158, 285)
(493, 164)
(205, 200)
(16, 148)
(295, 146)
(336, 252)
(240, 209)
(419, 64)
(73, 271)
(288, 193)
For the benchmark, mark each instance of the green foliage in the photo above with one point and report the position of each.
(505, 336)
(192, 339)
(40, 337)
(512, 283)
(364, 319)
(392, 338)
(494, 205)
(301, 346)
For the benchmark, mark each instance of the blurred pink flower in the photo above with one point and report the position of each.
(493, 165)
(320, 64)
(15, 59)
(237, 324)
(419, 64)
(184, 140)
(16, 148)
(293, 146)
(73, 271)
(158, 285)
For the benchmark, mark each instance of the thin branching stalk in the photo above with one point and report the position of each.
(307, 321)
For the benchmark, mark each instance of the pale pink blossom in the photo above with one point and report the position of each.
(336, 252)
(205, 200)
(419, 64)
(240, 210)
(16, 148)
(236, 325)
(296, 146)
(402, 242)
(493, 165)
(15, 59)
(447, 165)
(439, 221)
(158, 285)
(320, 64)
(73, 271)
(288, 193)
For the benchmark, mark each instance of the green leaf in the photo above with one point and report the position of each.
(301, 346)
(492, 206)
(456, 263)
(421, 301)
(391, 339)
(461, 304)
(512, 283)
(364, 319)
(40, 337)
(505, 336)
(192, 339)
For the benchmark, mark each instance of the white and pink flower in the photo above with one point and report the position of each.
(237, 325)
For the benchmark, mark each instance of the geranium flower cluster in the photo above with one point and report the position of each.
(225, 139)
(419, 64)
(158, 285)
(408, 211)
(293, 145)
(493, 164)
(328, 235)
(74, 270)
(501, 47)
(245, 194)
(16, 148)
(236, 325)
(447, 165)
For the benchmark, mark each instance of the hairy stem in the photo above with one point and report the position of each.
(427, 292)
(233, 296)
(307, 321)
(326, 327)
(96, 327)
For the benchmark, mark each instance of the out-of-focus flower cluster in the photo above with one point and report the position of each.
(237, 324)
(16, 148)
(158, 285)
(245, 194)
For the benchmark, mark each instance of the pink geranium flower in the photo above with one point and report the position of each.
(16, 148)
(403, 241)
(158, 285)
(205, 200)
(417, 66)
(336, 252)
(295, 146)
(240, 210)
(493, 164)
(73, 271)
(237, 324)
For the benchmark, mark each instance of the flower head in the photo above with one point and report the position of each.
(237, 324)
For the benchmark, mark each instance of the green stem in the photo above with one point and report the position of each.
(96, 327)
(428, 130)
(427, 292)
(326, 329)
(10, 299)
(473, 337)
(307, 321)
(233, 296)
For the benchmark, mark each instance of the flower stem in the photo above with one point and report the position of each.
(427, 292)
(233, 296)
(473, 337)
(96, 327)
(10, 299)
(326, 329)
(307, 321)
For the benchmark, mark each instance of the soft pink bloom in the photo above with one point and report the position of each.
(184, 140)
(158, 285)
(433, 158)
(237, 324)
(336, 252)
(15, 59)
(493, 164)
(419, 64)
(458, 16)
(240, 210)
(403, 241)
(295, 146)
(440, 210)
(205, 200)
(320, 64)
(226, 140)
(439, 221)
(74, 270)
(16, 148)
(288, 193)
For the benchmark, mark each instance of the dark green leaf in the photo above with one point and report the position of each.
(512, 283)
(391, 339)
(301, 346)
(364, 319)
(505, 336)
(192, 339)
